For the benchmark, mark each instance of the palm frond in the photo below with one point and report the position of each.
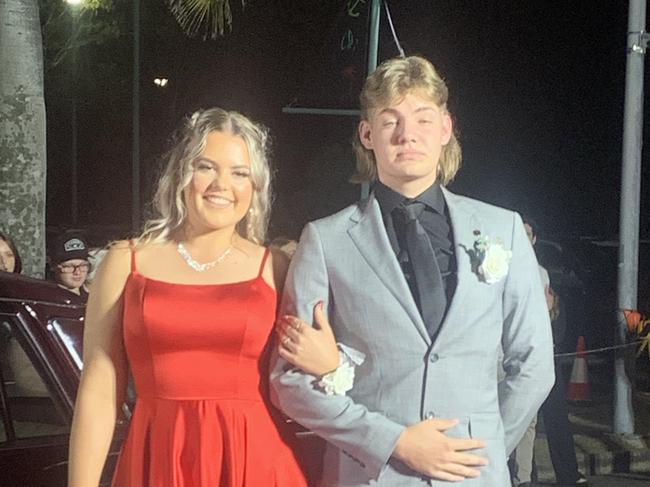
(206, 18)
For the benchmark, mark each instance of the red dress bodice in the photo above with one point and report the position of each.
(198, 358)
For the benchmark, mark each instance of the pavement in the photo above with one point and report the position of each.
(598, 450)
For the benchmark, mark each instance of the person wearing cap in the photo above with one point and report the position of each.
(70, 265)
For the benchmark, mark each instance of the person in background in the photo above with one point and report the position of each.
(554, 411)
(69, 264)
(522, 457)
(10, 260)
(16, 366)
(95, 257)
(285, 244)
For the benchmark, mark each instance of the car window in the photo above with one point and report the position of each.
(29, 407)
(69, 333)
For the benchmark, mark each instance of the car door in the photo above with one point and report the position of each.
(34, 427)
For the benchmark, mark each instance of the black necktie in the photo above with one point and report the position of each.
(430, 296)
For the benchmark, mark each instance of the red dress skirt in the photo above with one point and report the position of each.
(198, 358)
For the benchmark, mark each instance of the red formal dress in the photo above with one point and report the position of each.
(198, 356)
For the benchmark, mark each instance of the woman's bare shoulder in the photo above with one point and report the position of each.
(280, 265)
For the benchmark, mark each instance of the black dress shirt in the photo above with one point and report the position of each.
(435, 221)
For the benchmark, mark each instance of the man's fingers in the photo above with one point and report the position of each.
(465, 444)
(459, 470)
(442, 424)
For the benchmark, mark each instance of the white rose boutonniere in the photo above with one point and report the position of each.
(494, 259)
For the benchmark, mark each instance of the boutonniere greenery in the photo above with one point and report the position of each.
(490, 259)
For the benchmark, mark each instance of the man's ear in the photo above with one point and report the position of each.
(447, 128)
(365, 134)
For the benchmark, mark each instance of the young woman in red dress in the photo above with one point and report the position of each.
(189, 309)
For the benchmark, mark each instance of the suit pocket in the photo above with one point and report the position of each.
(485, 426)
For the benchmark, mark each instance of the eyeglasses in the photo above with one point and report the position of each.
(70, 268)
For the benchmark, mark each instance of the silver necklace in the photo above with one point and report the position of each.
(201, 267)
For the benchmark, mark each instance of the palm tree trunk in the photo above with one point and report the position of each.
(22, 132)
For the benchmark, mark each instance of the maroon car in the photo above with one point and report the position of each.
(41, 329)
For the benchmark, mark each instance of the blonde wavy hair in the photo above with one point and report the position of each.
(169, 202)
(388, 85)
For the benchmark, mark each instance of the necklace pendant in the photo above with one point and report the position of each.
(198, 267)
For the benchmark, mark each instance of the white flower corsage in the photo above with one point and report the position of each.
(341, 379)
(493, 259)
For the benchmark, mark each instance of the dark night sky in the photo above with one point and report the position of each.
(536, 91)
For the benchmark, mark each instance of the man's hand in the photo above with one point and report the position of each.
(424, 447)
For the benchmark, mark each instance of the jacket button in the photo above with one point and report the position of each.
(433, 357)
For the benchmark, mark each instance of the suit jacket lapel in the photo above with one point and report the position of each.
(463, 224)
(369, 235)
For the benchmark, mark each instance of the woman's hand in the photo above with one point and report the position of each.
(312, 349)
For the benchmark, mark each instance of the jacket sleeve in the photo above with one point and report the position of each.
(527, 341)
(367, 437)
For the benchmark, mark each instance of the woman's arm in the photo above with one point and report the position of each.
(103, 380)
(312, 350)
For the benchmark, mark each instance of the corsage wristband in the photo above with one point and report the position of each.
(341, 380)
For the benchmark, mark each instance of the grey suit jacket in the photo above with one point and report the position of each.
(347, 261)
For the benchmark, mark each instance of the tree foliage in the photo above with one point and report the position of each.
(205, 18)
(68, 27)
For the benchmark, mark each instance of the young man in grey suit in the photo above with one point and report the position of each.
(428, 287)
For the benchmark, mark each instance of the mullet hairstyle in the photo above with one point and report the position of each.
(169, 201)
(388, 85)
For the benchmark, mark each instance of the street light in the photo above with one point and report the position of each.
(160, 82)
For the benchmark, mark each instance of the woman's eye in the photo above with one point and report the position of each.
(389, 123)
(242, 174)
(204, 166)
(426, 120)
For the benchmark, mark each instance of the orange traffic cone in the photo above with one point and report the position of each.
(579, 390)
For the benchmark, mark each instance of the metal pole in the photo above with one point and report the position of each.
(135, 164)
(373, 36)
(74, 152)
(628, 250)
(321, 111)
(373, 47)
(74, 172)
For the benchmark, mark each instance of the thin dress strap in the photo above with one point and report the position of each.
(132, 248)
(266, 254)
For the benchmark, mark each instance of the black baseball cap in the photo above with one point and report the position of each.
(68, 247)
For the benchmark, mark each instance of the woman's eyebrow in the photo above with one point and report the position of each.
(205, 159)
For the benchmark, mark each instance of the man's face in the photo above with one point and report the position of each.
(530, 233)
(407, 139)
(71, 274)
